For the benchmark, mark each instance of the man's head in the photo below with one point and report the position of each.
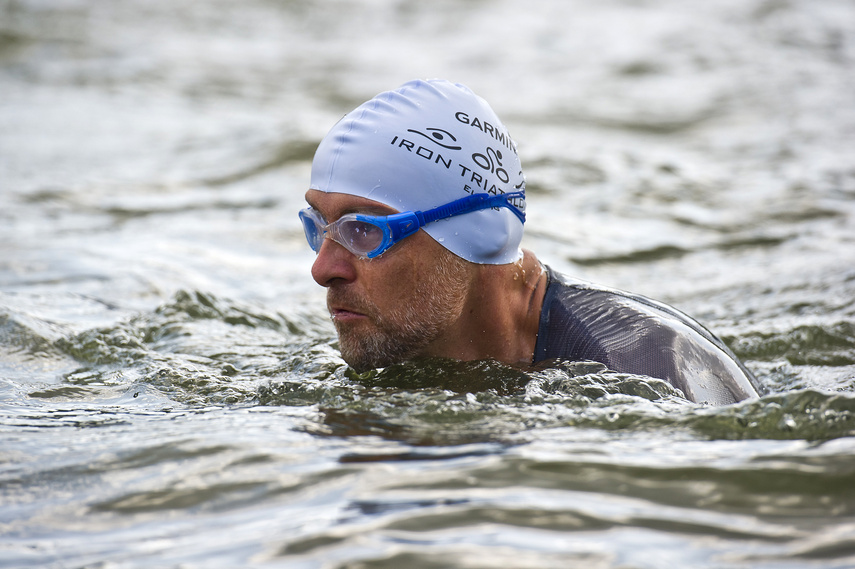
(424, 145)
(414, 149)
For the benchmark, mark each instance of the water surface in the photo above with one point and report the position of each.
(171, 394)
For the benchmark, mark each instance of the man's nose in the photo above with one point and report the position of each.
(333, 262)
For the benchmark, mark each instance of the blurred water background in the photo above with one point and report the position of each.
(170, 390)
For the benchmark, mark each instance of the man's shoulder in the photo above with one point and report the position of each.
(635, 334)
(586, 302)
(562, 286)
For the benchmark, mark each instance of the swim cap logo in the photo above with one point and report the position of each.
(486, 161)
(501, 137)
(482, 170)
(437, 135)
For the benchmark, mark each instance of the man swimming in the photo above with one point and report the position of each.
(417, 207)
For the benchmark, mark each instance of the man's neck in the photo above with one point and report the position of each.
(501, 316)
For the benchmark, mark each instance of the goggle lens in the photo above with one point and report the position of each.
(313, 228)
(359, 236)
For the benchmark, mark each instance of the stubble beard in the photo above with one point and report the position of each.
(403, 332)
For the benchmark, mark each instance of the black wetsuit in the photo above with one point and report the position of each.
(633, 334)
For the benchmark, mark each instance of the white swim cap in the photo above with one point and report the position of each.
(423, 145)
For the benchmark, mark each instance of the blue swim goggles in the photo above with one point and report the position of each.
(369, 236)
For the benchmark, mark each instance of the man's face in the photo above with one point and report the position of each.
(402, 304)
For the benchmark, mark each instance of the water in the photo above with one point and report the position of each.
(170, 391)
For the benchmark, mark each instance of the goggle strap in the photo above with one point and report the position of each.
(468, 204)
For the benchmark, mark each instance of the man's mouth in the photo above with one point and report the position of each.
(345, 314)
(345, 307)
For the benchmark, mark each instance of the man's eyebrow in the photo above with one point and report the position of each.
(370, 210)
(378, 210)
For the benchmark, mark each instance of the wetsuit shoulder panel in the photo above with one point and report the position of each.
(634, 334)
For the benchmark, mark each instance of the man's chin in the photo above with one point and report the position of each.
(360, 365)
(369, 353)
